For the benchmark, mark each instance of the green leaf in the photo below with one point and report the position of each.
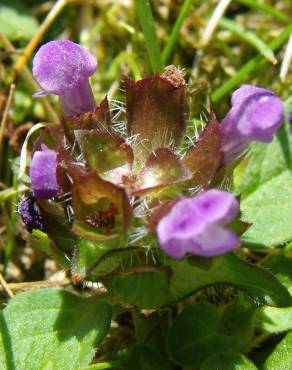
(269, 210)
(40, 240)
(273, 319)
(238, 320)
(137, 286)
(145, 358)
(281, 357)
(194, 335)
(52, 329)
(15, 20)
(281, 267)
(96, 257)
(228, 361)
(266, 192)
(151, 329)
(163, 285)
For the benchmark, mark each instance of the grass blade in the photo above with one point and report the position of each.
(175, 30)
(286, 60)
(250, 66)
(145, 17)
(249, 37)
(267, 9)
(218, 13)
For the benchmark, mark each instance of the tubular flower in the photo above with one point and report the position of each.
(42, 173)
(30, 214)
(197, 225)
(255, 115)
(63, 68)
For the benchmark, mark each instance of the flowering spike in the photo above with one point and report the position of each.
(42, 173)
(196, 225)
(255, 115)
(63, 68)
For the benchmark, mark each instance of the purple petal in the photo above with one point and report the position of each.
(245, 91)
(214, 241)
(217, 206)
(43, 174)
(78, 100)
(195, 225)
(63, 68)
(60, 65)
(261, 118)
(181, 222)
(256, 114)
(175, 248)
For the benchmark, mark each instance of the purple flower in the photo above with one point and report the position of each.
(42, 173)
(30, 213)
(255, 115)
(63, 68)
(197, 225)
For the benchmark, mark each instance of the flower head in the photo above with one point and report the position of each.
(30, 214)
(63, 68)
(42, 173)
(255, 115)
(196, 225)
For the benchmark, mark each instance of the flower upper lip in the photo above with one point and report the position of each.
(60, 65)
